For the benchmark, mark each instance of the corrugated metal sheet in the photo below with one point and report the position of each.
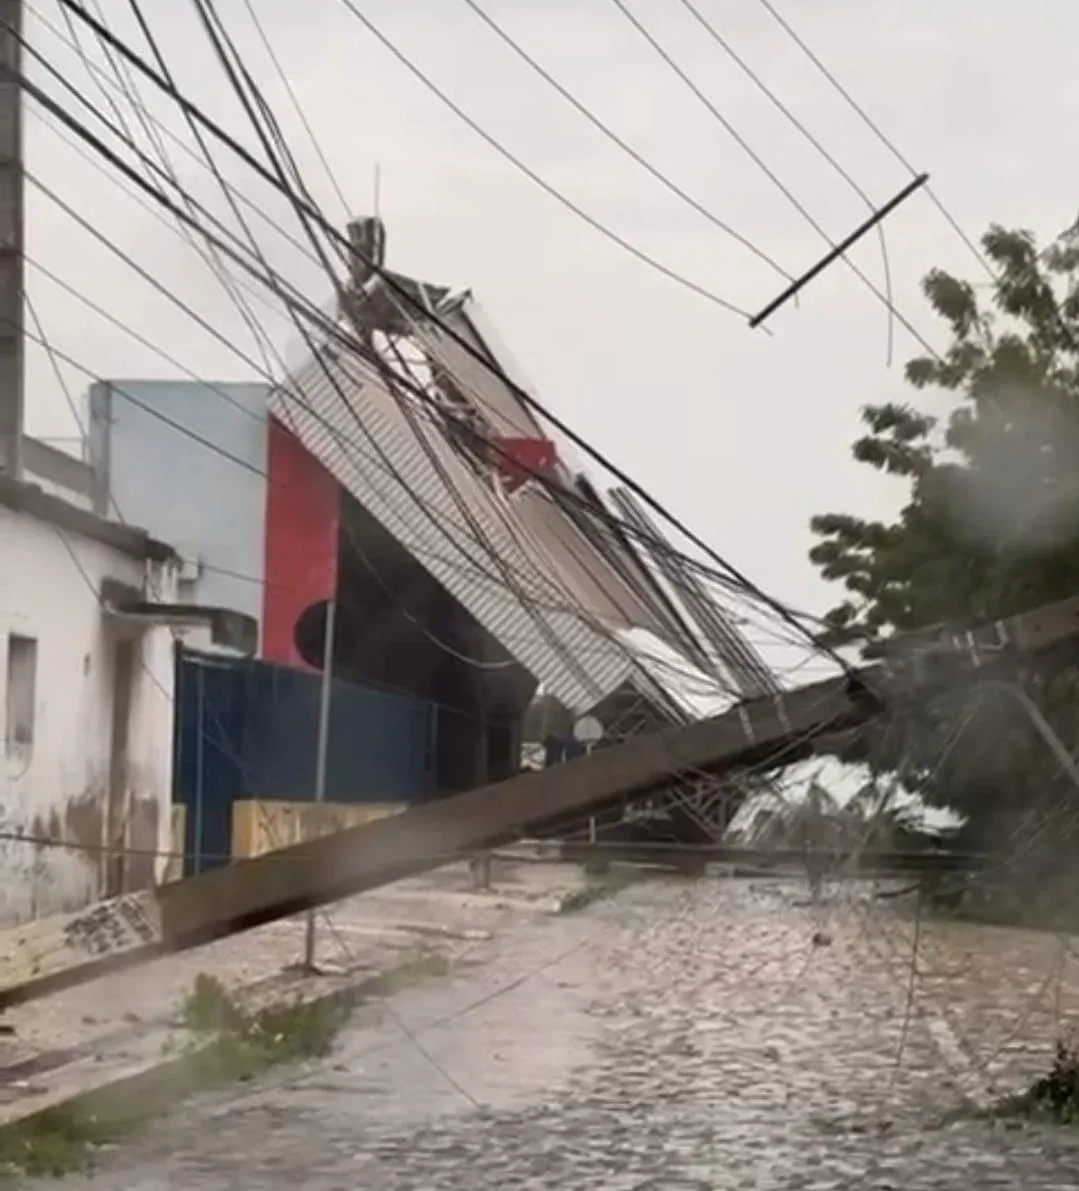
(733, 650)
(496, 399)
(594, 582)
(349, 421)
(696, 694)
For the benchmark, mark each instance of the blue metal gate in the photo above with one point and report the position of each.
(248, 729)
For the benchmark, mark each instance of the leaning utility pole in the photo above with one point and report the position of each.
(12, 268)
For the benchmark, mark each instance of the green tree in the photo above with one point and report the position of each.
(991, 526)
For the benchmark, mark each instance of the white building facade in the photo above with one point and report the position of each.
(86, 696)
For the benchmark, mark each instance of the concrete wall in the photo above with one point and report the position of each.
(210, 504)
(260, 825)
(57, 787)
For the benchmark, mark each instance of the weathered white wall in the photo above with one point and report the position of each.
(49, 580)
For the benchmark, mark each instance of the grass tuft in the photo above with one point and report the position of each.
(225, 1044)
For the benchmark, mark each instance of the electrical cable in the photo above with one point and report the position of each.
(710, 29)
(234, 71)
(784, 611)
(791, 197)
(213, 331)
(873, 127)
(206, 9)
(165, 133)
(216, 390)
(615, 139)
(55, 355)
(290, 91)
(598, 226)
(207, 254)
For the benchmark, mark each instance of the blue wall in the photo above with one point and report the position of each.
(207, 505)
(248, 729)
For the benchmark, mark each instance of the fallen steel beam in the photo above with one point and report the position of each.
(59, 952)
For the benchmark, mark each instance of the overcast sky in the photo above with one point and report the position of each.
(742, 434)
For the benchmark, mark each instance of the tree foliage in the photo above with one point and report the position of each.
(991, 526)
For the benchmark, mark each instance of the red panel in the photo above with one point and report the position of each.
(519, 459)
(302, 519)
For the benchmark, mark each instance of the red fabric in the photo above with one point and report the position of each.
(303, 507)
(518, 459)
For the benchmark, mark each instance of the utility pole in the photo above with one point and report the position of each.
(321, 750)
(12, 268)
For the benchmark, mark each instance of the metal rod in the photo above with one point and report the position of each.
(1057, 747)
(321, 749)
(200, 767)
(12, 235)
(800, 283)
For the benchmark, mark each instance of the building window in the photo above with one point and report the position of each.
(21, 690)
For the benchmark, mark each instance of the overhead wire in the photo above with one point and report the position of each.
(772, 176)
(267, 277)
(782, 610)
(266, 345)
(711, 31)
(247, 91)
(165, 133)
(875, 128)
(537, 179)
(169, 294)
(206, 252)
(298, 109)
(606, 130)
(547, 631)
(188, 312)
(219, 392)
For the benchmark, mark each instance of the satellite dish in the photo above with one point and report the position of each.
(588, 730)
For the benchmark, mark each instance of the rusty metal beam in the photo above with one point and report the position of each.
(60, 952)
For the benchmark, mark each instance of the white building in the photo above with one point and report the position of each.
(86, 689)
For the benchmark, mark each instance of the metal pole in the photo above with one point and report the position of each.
(591, 818)
(11, 240)
(800, 282)
(325, 691)
(1056, 746)
(200, 767)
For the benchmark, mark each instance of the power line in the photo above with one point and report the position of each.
(710, 29)
(537, 180)
(335, 331)
(402, 293)
(785, 190)
(615, 139)
(782, 610)
(164, 132)
(290, 91)
(56, 354)
(216, 390)
(236, 71)
(871, 124)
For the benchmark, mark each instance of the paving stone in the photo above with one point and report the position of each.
(678, 1036)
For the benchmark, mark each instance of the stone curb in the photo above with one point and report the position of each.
(150, 1086)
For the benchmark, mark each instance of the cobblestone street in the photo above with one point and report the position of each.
(711, 1035)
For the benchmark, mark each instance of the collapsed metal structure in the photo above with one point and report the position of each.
(775, 730)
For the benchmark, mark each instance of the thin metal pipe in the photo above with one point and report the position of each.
(321, 751)
(800, 283)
